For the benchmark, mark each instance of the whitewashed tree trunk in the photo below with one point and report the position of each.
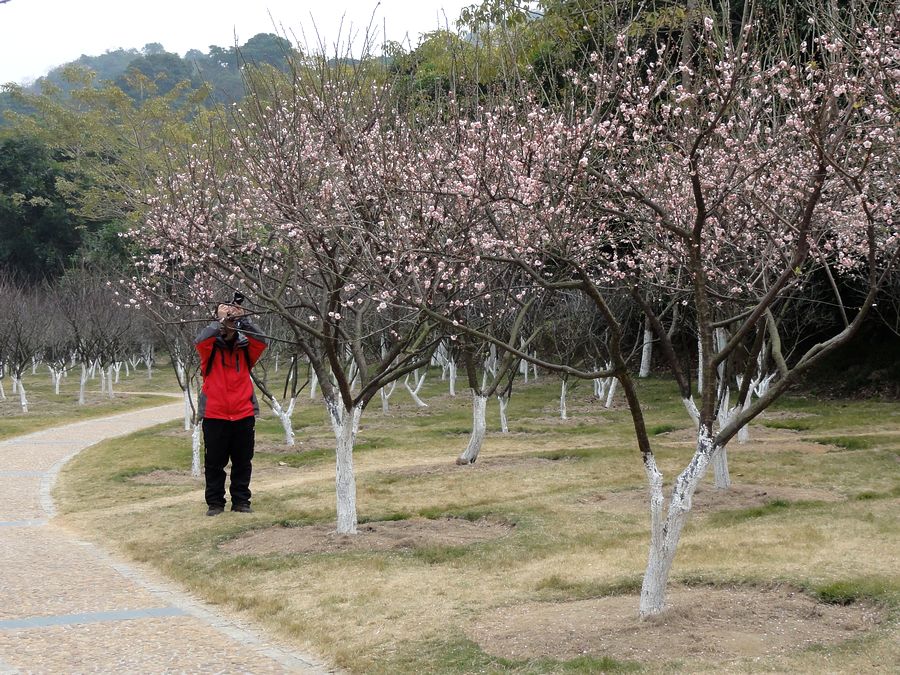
(600, 387)
(699, 364)
(109, 381)
(452, 376)
(195, 451)
(534, 372)
(721, 477)
(524, 367)
(563, 413)
(313, 383)
(691, 408)
(117, 367)
(612, 391)
(23, 401)
(285, 415)
(386, 392)
(148, 361)
(83, 383)
(414, 392)
(188, 410)
(2, 392)
(504, 402)
(345, 424)
(666, 532)
(647, 351)
(15, 385)
(479, 428)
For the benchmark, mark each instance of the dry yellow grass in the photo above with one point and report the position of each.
(572, 491)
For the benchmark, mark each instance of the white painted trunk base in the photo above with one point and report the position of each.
(23, 401)
(345, 424)
(285, 415)
(614, 383)
(414, 391)
(504, 425)
(195, 451)
(647, 351)
(563, 413)
(82, 384)
(666, 532)
(479, 428)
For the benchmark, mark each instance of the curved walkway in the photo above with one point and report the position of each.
(66, 606)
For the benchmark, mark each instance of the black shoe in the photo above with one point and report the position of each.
(241, 508)
(214, 510)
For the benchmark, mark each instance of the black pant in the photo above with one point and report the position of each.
(226, 440)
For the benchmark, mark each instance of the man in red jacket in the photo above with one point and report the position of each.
(228, 349)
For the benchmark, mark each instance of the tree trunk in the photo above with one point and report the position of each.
(195, 451)
(479, 428)
(563, 414)
(699, 364)
(504, 425)
(647, 352)
(345, 424)
(313, 383)
(614, 382)
(188, 411)
(83, 384)
(665, 534)
(285, 415)
(722, 479)
(22, 400)
(418, 381)
(386, 392)
(109, 381)
(452, 376)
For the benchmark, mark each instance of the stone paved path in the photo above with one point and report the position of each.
(68, 607)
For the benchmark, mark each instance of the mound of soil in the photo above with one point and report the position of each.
(492, 463)
(308, 444)
(376, 536)
(708, 499)
(700, 624)
(762, 439)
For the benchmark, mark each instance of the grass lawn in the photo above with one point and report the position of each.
(813, 513)
(46, 408)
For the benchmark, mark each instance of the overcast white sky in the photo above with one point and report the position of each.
(36, 35)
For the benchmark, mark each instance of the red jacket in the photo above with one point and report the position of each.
(227, 388)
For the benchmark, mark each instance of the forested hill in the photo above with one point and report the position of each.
(132, 70)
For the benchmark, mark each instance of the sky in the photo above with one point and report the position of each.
(36, 35)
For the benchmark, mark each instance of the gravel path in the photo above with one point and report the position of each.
(68, 607)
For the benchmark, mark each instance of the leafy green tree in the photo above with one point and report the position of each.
(38, 234)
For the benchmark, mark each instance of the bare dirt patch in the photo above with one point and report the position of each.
(376, 536)
(701, 623)
(494, 463)
(309, 444)
(762, 439)
(708, 499)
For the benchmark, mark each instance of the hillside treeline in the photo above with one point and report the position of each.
(82, 147)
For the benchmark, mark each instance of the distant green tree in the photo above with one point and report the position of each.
(154, 74)
(267, 48)
(38, 233)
